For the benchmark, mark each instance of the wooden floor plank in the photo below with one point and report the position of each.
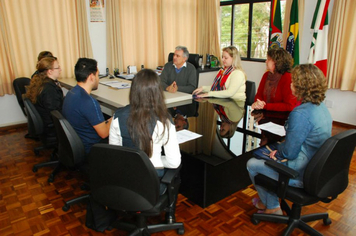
(29, 205)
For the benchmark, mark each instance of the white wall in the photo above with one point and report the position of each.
(11, 113)
(97, 32)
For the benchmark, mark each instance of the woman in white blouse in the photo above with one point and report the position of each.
(146, 124)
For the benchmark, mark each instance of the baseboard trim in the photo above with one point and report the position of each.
(13, 127)
(348, 126)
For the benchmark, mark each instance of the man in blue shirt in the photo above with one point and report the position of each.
(83, 111)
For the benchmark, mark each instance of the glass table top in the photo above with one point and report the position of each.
(227, 126)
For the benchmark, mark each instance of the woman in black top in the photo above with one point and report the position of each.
(44, 90)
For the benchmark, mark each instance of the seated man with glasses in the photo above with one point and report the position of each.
(44, 91)
(41, 55)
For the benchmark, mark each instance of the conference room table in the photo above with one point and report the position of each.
(113, 98)
(214, 167)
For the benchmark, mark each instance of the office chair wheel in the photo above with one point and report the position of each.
(65, 207)
(255, 221)
(85, 186)
(327, 221)
(180, 231)
(50, 179)
(34, 169)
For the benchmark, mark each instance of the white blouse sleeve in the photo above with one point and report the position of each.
(115, 133)
(172, 156)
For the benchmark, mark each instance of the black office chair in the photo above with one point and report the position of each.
(20, 89)
(250, 98)
(71, 153)
(36, 128)
(250, 92)
(325, 177)
(124, 179)
(193, 58)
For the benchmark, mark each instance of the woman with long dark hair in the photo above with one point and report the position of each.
(146, 123)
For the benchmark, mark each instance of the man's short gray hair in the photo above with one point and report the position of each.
(185, 51)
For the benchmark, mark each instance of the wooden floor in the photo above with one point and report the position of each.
(31, 206)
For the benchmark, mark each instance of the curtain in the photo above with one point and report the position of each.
(6, 68)
(179, 25)
(29, 27)
(341, 57)
(113, 36)
(84, 44)
(134, 33)
(209, 28)
(144, 32)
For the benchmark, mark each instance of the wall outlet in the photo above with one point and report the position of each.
(329, 103)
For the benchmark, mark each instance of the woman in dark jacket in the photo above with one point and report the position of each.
(44, 90)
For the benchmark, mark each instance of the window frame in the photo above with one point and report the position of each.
(249, 37)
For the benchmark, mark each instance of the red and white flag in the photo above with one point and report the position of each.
(318, 49)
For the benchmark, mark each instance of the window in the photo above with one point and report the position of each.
(245, 24)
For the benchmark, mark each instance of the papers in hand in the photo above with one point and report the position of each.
(186, 135)
(273, 128)
(116, 84)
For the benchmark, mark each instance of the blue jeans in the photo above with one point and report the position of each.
(268, 198)
(162, 187)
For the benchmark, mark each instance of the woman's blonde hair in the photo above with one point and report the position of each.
(309, 83)
(40, 78)
(236, 58)
(231, 131)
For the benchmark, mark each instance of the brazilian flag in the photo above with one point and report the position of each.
(293, 36)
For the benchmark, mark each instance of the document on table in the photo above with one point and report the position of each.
(186, 135)
(126, 76)
(116, 84)
(273, 128)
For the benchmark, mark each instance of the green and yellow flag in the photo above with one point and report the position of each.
(276, 25)
(293, 37)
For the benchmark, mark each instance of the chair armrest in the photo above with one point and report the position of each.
(169, 176)
(172, 179)
(282, 169)
(285, 173)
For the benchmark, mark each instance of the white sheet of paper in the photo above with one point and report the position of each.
(186, 135)
(273, 128)
(125, 76)
(116, 84)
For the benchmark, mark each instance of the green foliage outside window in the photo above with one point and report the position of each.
(241, 28)
(259, 31)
